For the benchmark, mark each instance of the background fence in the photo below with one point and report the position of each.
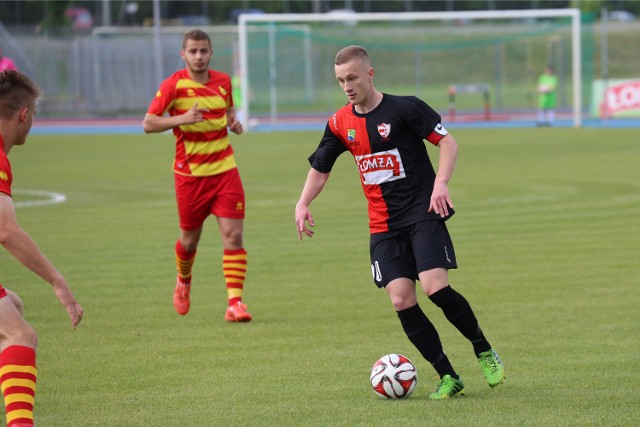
(108, 73)
(112, 72)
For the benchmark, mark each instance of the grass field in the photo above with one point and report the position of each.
(547, 235)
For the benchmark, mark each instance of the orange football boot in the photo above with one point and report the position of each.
(237, 313)
(181, 301)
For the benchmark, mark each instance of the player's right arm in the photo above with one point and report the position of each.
(312, 187)
(153, 123)
(24, 249)
(322, 161)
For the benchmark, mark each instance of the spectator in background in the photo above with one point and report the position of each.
(6, 63)
(236, 93)
(547, 83)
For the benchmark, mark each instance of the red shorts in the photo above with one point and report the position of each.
(200, 196)
(3, 293)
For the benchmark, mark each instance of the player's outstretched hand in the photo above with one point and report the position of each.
(68, 300)
(303, 215)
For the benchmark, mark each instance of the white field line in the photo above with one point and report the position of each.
(47, 198)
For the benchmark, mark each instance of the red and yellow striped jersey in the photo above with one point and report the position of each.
(5, 171)
(202, 149)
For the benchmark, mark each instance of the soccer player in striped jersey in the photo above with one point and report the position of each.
(408, 206)
(18, 96)
(197, 104)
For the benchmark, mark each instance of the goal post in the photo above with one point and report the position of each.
(284, 59)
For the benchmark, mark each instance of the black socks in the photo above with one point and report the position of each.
(425, 338)
(458, 311)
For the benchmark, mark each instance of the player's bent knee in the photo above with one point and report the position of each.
(15, 299)
(432, 281)
(402, 293)
(232, 240)
(190, 244)
(23, 335)
(27, 336)
(401, 303)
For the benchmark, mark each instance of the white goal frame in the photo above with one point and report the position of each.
(301, 18)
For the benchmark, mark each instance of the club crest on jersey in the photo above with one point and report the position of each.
(351, 135)
(384, 129)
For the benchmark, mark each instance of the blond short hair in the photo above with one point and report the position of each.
(351, 53)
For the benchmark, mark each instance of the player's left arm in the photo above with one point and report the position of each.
(24, 249)
(19, 243)
(440, 199)
(232, 117)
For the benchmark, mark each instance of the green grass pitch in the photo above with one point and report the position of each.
(547, 234)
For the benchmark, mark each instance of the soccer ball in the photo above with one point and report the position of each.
(393, 376)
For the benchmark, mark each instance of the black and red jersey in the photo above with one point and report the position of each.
(388, 147)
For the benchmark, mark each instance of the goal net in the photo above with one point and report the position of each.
(287, 76)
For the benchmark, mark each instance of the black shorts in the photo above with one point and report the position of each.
(411, 250)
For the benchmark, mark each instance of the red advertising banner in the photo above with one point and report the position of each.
(616, 98)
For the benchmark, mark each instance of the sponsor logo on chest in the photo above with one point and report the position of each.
(381, 167)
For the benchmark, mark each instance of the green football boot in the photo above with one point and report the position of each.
(448, 387)
(492, 368)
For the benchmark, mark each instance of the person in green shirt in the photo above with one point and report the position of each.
(236, 93)
(547, 83)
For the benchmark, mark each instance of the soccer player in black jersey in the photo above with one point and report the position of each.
(409, 203)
